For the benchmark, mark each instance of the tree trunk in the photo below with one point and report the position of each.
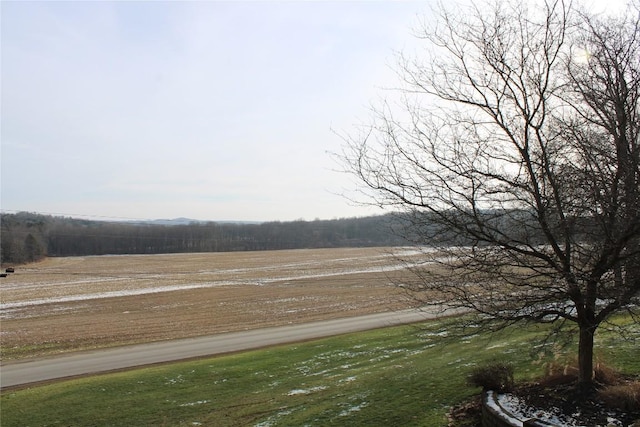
(585, 355)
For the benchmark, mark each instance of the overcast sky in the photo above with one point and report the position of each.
(206, 110)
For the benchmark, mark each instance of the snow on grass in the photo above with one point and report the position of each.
(316, 365)
(498, 345)
(273, 420)
(199, 402)
(456, 362)
(439, 334)
(355, 404)
(300, 391)
(353, 409)
(172, 381)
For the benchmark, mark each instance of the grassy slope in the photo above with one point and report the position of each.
(395, 376)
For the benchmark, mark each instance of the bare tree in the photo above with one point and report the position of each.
(515, 152)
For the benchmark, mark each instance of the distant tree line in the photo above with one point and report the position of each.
(27, 237)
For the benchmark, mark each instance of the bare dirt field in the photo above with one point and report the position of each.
(79, 303)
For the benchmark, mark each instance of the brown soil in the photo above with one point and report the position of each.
(68, 304)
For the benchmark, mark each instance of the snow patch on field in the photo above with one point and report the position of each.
(300, 391)
(353, 409)
(199, 402)
(273, 420)
(355, 403)
(110, 294)
(8, 307)
(306, 391)
(172, 381)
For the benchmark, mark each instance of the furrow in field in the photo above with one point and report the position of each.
(172, 288)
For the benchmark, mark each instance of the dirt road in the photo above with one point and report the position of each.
(32, 371)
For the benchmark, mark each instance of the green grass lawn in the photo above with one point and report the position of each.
(400, 376)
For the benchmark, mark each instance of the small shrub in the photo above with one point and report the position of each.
(496, 376)
(622, 396)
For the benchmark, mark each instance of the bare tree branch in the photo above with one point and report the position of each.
(518, 162)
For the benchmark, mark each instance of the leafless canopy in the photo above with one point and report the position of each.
(515, 152)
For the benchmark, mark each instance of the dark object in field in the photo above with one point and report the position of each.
(3, 274)
(10, 270)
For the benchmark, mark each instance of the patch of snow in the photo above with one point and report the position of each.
(299, 391)
(108, 294)
(273, 420)
(6, 307)
(499, 345)
(199, 402)
(455, 362)
(353, 409)
(443, 333)
(172, 381)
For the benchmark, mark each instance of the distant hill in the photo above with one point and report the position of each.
(188, 221)
(175, 221)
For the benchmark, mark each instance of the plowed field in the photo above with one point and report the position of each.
(79, 303)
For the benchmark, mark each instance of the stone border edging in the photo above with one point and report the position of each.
(494, 415)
